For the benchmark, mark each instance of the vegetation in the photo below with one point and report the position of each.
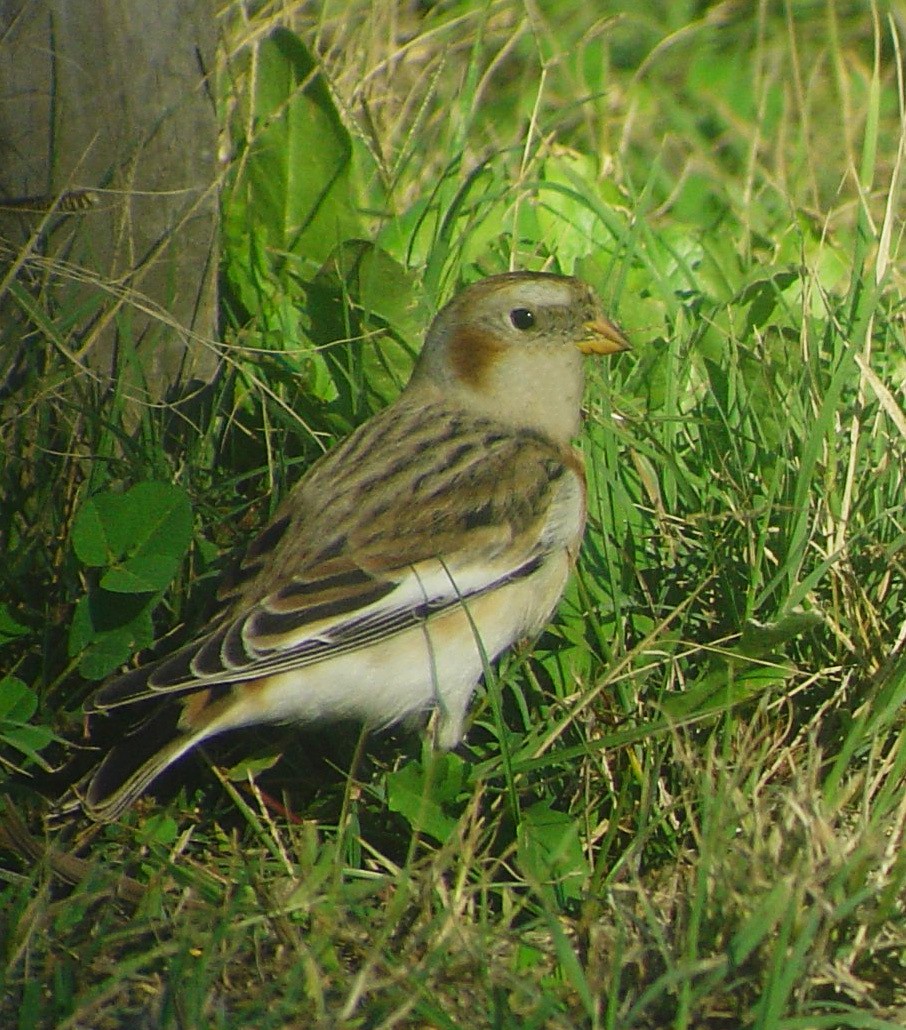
(684, 805)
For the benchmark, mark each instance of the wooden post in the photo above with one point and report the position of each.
(108, 104)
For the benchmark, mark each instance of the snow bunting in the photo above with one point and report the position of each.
(417, 550)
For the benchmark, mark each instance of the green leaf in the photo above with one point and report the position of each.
(107, 629)
(729, 682)
(365, 296)
(297, 170)
(143, 532)
(142, 535)
(550, 851)
(124, 580)
(18, 703)
(161, 829)
(429, 796)
(10, 629)
(29, 740)
(89, 535)
(252, 765)
(760, 638)
(566, 207)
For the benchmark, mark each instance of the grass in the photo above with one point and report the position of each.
(683, 806)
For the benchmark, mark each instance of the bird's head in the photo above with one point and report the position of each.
(511, 346)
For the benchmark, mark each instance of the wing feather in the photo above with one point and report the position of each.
(462, 507)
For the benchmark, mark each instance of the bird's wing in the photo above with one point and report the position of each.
(463, 514)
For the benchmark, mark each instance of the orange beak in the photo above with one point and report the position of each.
(603, 337)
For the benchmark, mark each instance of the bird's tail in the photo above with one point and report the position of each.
(131, 765)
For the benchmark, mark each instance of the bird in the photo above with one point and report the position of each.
(414, 552)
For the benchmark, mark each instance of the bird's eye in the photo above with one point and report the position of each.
(522, 318)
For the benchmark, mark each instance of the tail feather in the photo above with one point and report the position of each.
(138, 759)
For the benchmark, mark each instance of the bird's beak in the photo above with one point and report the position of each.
(603, 337)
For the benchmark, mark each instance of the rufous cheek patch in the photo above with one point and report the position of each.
(472, 353)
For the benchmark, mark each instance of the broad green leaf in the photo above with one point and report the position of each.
(107, 629)
(18, 703)
(429, 795)
(89, 536)
(569, 207)
(550, 851)
(760, 638)
(368, 316)
(149, 525)
(160, 828)
(297, 172)
(29, 740)
(141, 537)
(252, 765)
(10, 629)
(165, 525)
(731, 681)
